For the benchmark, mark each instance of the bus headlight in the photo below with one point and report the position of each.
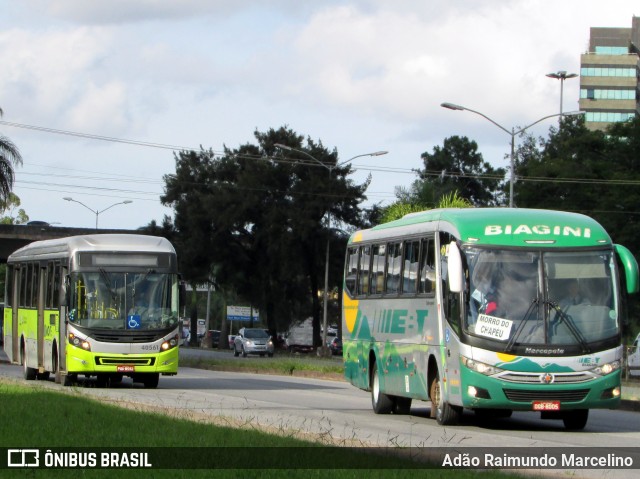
(79, 342)
(169, 344)
(606, 368)
(479, 367)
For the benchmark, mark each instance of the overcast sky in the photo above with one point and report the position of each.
(360, 76)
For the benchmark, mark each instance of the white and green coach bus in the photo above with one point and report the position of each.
(491, 309)
(103, 305)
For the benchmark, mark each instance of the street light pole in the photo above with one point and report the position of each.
(326, 260)
(513, 133)
(97, 212)
(561, 75)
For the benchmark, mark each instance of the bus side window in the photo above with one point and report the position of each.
(351, 272)
(377, 268)
(363, 271)
(25, 281)
(427, 267)
(8, 297)
(451, 300)
(394, 262)
(57, 281)
(410, 271)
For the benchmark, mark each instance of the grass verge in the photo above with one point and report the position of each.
(284, 365)
(33, 416)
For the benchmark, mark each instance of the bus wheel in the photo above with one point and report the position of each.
(445, 414)
(150, 381)
(575, 420)
(382, 403)
(29, 373)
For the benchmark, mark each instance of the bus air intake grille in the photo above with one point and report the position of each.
(118, 337)
(534, 378)
(108, 361)
(536, 395)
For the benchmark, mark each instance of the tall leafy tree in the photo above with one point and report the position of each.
(458, 166)
(563, 171)
(592, 172)
(259, 214)
(9, 158)
(8, 213)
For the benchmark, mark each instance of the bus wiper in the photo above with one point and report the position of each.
(523, 321)
(571, 325)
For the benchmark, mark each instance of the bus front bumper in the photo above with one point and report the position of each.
(482, 391)
(89, 362)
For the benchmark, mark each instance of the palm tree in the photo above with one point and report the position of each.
(9, 156)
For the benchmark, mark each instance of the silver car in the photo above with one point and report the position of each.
(252, 341)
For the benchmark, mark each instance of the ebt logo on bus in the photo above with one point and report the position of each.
(399, 321)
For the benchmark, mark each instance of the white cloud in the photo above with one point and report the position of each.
(360, 75)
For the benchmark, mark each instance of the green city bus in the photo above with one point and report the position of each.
(103, 306)
(467, 308)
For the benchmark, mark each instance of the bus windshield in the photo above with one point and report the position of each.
(541, 298)
(123, 301)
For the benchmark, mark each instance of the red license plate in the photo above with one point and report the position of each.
(546, 405)
(126, 368)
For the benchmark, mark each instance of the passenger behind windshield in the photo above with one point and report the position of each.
(574, 296)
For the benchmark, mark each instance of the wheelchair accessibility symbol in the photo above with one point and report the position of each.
(133, 321)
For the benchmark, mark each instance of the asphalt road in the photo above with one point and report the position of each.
(334, 412)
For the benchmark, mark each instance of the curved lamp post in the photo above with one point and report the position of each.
(97, 212)
(326, 262)
(561, 75)
(512, 133)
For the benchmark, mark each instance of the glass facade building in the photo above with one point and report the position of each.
(610, 75)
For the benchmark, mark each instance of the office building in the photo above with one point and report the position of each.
(610, 75)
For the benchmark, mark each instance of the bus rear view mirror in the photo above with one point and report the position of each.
(630, 266)
(454, 268)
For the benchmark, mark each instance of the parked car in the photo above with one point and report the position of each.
(252, 341)
(211, 339)
(198, 339)
(335, 346)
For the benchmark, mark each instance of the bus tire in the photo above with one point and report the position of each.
(445, 414)
(28, 373)
(150, 381)
(576, 419)
(381, 402)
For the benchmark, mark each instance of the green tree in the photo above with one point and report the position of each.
(260, 217)
(8, 211)
(400, 208)
(458, 166)
(9, 157)
(591, 172)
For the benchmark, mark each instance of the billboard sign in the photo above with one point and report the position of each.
(242, 313)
